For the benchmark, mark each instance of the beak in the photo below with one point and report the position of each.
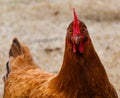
(76, 39)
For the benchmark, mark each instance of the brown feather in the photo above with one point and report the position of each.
(82, 74)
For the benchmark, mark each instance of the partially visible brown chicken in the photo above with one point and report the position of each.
(24, 75)
(82, 74)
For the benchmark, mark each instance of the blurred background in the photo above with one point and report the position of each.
(42, 24)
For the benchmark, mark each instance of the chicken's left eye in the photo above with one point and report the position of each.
(70, 31)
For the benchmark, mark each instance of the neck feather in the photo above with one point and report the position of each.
(78, 70)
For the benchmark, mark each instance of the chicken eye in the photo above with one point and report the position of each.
(84, 29)
(69, 31)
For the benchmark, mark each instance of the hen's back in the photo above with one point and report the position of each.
(24, 74)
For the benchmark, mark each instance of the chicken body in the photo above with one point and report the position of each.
(25, 75)
(82, 74)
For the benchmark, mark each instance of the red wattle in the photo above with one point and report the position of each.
(81, 47)
(74, 48)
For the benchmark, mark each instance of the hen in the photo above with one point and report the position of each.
(82, 74)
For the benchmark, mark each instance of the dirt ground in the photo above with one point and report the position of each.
(41, 24)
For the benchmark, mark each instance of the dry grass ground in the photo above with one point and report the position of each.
(41, 24)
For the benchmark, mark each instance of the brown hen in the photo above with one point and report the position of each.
(82, 74)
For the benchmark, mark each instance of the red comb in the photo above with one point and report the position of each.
(76, 29)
